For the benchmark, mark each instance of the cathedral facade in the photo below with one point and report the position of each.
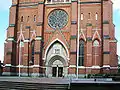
(60, 38)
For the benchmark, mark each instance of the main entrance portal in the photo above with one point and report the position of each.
(57, 68)
(56, 60)
(57, 71)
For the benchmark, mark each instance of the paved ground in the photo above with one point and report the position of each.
(56, 80)
(36, 80)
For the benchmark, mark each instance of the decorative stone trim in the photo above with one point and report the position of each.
(89, 38)
(28, 3)
(10, 39)
(72, 66)
(25, 54)
(53, 3)
(92, 2)
(13, 5)
(27, 6)
(12, 25)
(26, 40)
(73, 37)
(36, 65)
(106, 36)
(81, 67)
(27, 27)
(41, 2)
(38, 38)
(113, 67)
(113, 41)
(39, 24)
(73, 22)
(106, 52)
(88, 24)
(8, 65)
(96, 67)
(19, 66)
(89, 54)
(105, 22)
(106, 66)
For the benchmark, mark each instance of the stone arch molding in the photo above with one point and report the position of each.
(60, 57)
(57, 57)
(48, 47)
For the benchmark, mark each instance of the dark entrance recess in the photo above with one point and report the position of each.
(60, 71)
(55, 71)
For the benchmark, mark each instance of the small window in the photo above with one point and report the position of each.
(96, 16)
(82, 16)
(32, 48)
(34, 18)
(21, 44)
(88, 15)
(22, 19)
(28, 18)
(96, 43)
(81, 53)
(57, 51)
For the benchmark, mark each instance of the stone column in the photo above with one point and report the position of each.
(38, 69)
(89, 48)
(106, 36)
(73, 46)
(10, 57)
(26, 65)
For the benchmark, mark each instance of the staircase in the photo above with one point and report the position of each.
(32, 85)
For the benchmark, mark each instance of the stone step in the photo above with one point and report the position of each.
(5, 85)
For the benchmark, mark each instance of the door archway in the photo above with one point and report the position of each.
(56, 61)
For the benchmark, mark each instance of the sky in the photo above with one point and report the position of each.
(4, 21)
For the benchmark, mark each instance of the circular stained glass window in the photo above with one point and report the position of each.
(57, 19)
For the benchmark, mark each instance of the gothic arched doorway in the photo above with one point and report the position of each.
(57, 64)
(56, 60)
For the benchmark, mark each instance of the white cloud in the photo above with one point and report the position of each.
(116, 4)
(5, 4)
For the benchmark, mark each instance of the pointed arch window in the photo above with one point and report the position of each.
(96, 43)
(82, 16)
(81, 53)
(96, 16)
(32, 51)
(96, 52)
(22, 19)
(34, 18)
(89, 16)
(21, 44)
(28, 18)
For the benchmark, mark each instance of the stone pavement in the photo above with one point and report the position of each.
(36, 80)
(56, 80)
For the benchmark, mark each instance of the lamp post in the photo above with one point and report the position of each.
(78, 38)
(19, 56)
(28, 50)
(102, 42)
(20, 50)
